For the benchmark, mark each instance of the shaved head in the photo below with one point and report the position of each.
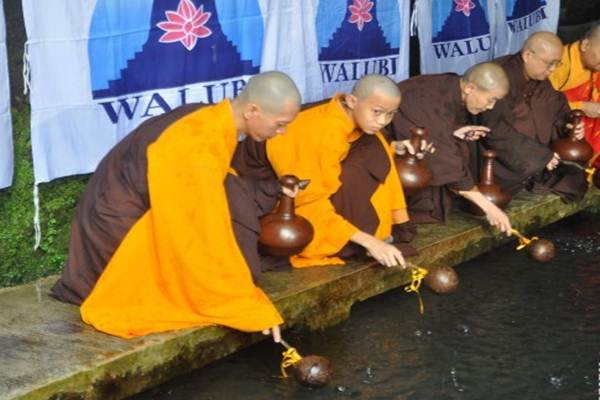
(487, 76)
(543, 42)
(482, 86)
(272, 91)
(541, 54)
(368, 84)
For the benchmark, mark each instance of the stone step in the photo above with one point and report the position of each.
(46, 352)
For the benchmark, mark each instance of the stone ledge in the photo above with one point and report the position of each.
(46, 352)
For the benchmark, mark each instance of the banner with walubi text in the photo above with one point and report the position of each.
(454, 34)
(517, 19)
(358, 37)
(101, 67)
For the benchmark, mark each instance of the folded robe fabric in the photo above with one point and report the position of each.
(179, 266)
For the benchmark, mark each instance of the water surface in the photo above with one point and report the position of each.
(514, 330)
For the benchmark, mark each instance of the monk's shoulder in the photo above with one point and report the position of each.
(204, 130)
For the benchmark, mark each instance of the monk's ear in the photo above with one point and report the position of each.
(350, 100)
(585, 45)
(469, 87)
(526, 55)
(251, 110)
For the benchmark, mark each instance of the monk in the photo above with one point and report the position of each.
(445, 105)
(529, 119)
(152, 246)
(354, 196)
(578, 77)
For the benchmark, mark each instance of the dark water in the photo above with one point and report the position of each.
(515, 330)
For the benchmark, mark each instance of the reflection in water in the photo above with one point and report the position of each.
(514, 329)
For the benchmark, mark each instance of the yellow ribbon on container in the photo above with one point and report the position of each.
(417, 275)
(290, 357)
(591, 169)
(523, 241)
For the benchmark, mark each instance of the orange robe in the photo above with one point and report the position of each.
(179, 265)
(315, 144)
(579, 84)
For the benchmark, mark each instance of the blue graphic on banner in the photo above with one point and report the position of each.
(462, 20)
(139, 45)
(522, 14)
(357, 37)
(357, 29)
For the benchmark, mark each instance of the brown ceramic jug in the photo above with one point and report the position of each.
(541, 250)
(571, 149)
(487, 187)
(414, 173)
(313, 371)
(442, 279)
(283, 233)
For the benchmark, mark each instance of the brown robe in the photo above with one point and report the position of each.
(523, 125)
(434, 102)
(116, 196)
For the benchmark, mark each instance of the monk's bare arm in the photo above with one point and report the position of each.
(495, 216)
(591, 109)
(384, 253)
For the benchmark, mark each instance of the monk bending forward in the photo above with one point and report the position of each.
(152, 246)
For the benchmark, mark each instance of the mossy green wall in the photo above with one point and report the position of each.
(19, 263)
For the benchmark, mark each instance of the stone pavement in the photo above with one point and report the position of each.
(46, 352)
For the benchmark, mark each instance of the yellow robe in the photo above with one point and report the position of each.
(313, 147)
(579, 84)
(179, 266)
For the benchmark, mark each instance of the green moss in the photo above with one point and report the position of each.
(19, 263)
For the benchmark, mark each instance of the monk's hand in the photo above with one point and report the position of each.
(553, 163)
(289, 192)
(498, 219)
(403, 146)
(386, 254)
(471, 132)
(275, 331)
(579, 130)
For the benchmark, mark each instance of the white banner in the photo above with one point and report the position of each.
(358, 37)
(109, 65)
(101, 67)
(517, 19)
(6, 144)
(454, 34)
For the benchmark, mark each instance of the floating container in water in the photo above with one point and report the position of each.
(542, 250)
(313, 371)
(442, 280)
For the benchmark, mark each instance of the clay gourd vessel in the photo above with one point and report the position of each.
(313, 371)
(570, 148)
(414, 173)
(283, 233)
(487, 187)
(541, 250)
(442, 280)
